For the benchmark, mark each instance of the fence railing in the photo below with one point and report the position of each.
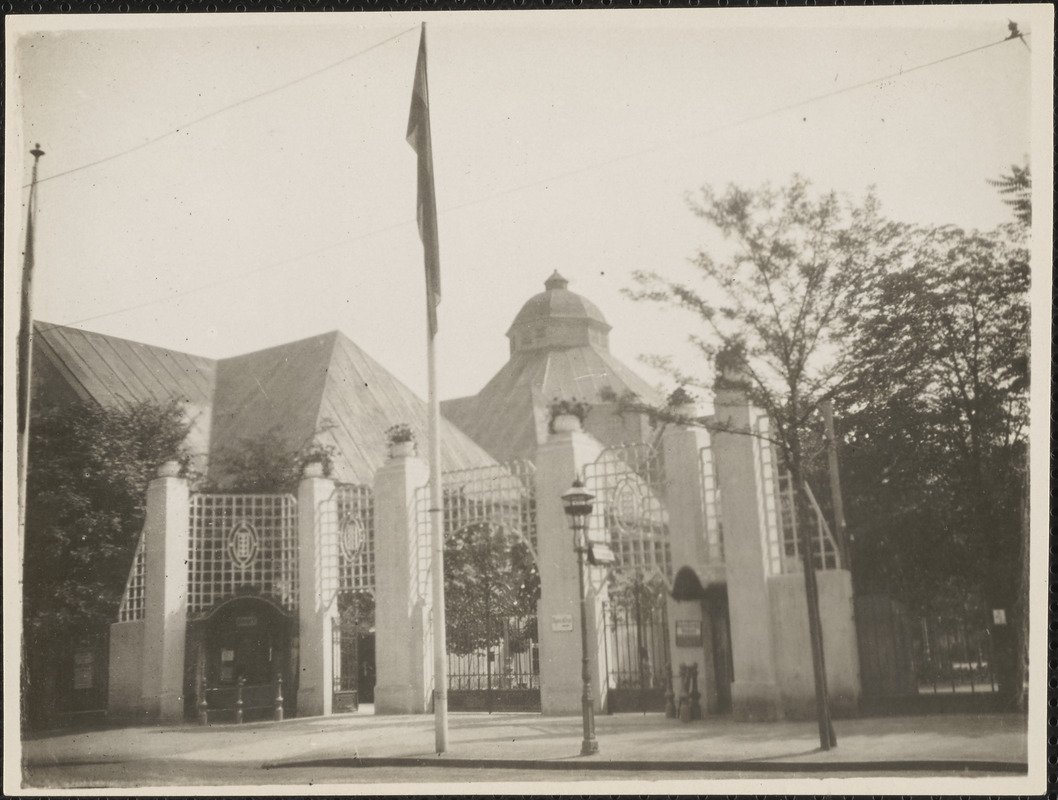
(907, 655)
(953, 656)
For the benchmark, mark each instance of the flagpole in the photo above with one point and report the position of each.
(440, 671)
(25, 352)
(419, 138)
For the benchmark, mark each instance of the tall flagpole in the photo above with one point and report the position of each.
(440, 671)
(426, 212)
(25, 386)
(25, 352)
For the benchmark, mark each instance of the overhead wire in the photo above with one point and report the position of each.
(495, 195)
(222, 110)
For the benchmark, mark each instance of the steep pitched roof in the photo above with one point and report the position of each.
(327, 387)
(363, 400)
(322, 384)
(111, 371)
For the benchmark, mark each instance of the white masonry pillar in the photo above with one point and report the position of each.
(754, 691)
(681, 447)
(317, 587)
(559, 461)
(165, 531)
(403, 653)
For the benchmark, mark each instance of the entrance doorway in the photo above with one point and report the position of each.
(353, 651)
(714, 606)
(246, 640)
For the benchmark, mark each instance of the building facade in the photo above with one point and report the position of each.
(233, 594)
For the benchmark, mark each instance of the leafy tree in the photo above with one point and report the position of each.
(774, 307)
(491, 577)
(935, 418)
(88, 471)
(1017, 185)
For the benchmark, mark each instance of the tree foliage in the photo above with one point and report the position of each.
(267, 463)
(86, 485)
(89, 467)
(936, 417)
(1016, 186)
(920, 335)
(774, 305)
(490, 577)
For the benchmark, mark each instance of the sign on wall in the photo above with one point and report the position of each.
(688, 633)
(562, 623)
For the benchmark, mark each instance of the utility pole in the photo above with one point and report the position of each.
(841, 530)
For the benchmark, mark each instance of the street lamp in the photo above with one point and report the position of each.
(577, 503)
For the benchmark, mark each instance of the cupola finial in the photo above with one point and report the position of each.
(556, 281)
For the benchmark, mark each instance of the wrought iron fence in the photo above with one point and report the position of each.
(952, 656)
(512, 663)
(637, 646)
(907, 656)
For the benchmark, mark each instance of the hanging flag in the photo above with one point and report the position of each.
(426, 203)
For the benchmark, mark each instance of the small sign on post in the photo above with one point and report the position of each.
(999, 616)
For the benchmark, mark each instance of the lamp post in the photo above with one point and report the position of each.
(577, 503)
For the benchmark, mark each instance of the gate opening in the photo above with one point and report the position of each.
(246, 640)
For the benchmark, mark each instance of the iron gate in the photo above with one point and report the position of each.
(631, 513)
(637, 646)
(491, 586)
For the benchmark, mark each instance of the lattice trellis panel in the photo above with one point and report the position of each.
(780, 519)
(824, 549)
(242, 543)
(714, 526)
(629, 487)
(350, 518)
(503, 494)
(768, 480)
(132, 599)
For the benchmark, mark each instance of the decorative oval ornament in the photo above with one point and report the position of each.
(242, 544)
(351, 536)
(625, 502)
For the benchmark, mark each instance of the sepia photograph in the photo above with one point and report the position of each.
(528, 401)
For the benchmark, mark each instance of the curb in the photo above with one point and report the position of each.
(1015, 767)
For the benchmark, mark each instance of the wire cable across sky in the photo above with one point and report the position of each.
(522, 187)
(224, 109)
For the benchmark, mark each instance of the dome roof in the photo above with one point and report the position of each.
(558, 302)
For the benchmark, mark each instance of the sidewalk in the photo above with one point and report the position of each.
(992, 742)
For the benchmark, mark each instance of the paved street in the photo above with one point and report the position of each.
(529, 749)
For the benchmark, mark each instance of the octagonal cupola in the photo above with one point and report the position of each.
(558, 318)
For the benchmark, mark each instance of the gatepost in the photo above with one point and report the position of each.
(402, 606)
(558, 463)
(689, 626)
(317, 585)
(165, 540)
(754, 692)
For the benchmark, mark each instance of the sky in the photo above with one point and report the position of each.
(263, 190)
